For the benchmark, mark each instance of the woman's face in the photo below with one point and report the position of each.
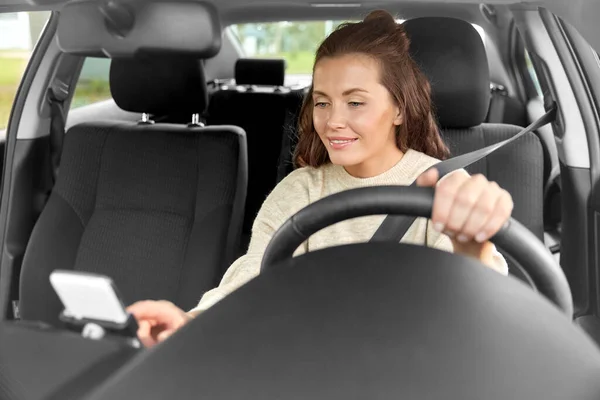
(355, 115)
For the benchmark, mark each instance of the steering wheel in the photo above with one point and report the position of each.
(514, 238)
(376, 320)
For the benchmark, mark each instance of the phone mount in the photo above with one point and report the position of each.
(98, 330)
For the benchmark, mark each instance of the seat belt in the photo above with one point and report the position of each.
(55, 95)
(394, 227)
(56, 98)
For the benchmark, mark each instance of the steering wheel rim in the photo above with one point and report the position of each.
(514, 238)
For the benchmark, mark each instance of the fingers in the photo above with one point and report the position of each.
(163, 312)
(157, 320)
(502, 211)
(470, 208)
(445, 194)
(144, 334)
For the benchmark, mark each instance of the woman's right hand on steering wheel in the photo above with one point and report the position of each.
(157, 320)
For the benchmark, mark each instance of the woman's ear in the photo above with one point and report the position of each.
(399, 118)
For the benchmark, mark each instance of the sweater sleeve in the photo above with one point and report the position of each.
(287, 198)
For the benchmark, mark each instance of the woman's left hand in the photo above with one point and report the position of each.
(469, 209)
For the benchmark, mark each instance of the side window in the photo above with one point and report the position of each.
(93, 84)
(533, 75)
(19, 32)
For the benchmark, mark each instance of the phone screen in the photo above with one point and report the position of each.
(88, 296)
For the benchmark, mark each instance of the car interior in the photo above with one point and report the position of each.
(158, 188)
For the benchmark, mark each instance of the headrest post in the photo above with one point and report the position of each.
(196, 121)
(146, 119)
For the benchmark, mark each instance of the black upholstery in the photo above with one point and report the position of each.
(159, 85)
(264, 114)
(450, 52)
(158, 207)
(516, 167)
(41, 363)
(252, 71)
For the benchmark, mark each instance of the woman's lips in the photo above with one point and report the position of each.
(338, 143)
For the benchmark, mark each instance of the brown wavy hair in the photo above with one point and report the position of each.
(380, 37)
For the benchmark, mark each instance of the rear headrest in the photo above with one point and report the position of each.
(268, 72)
(159, 86)
(452, 55)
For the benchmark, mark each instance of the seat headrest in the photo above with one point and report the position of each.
(268, 72)
(452, 55)
(159, 86)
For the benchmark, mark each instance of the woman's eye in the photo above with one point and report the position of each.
(355, 104)
(320, 105)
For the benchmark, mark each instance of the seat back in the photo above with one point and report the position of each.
(260, 105)
(450, 52)
(452, 55)
(157, 207)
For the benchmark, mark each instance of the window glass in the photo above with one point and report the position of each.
(533, 75)
(296, 42)
(19, 32)
(93, 84)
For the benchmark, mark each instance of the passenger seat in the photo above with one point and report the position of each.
(261, 105)
(157, 207)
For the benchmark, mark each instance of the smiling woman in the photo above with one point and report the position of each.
(366, 121)
(350, 105)
(347, 95)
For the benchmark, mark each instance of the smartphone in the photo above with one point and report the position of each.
(89, 296)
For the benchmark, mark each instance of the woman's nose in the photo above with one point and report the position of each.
(336, 118)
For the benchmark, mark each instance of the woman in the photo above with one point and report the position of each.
(367, 120)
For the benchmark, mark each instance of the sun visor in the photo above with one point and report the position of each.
(128, 28)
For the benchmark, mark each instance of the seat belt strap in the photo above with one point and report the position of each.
(56, 98)
(394, 227)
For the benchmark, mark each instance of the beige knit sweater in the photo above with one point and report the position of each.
(307, 185)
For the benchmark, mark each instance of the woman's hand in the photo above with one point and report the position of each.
(469, 209)
(157, 320)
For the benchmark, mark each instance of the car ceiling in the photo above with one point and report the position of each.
(582, 14)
